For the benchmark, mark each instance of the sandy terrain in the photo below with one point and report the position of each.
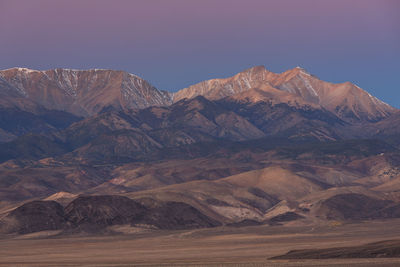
(222, 246)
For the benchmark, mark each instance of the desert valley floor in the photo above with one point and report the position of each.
(221, 246)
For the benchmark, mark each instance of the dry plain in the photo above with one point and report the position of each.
(221, 246)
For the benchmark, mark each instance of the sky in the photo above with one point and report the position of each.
(176, 43)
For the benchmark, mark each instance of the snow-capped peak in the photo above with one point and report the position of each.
(26, 70)
(302, 70)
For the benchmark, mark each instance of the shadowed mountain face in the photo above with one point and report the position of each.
(15, 122)
(101, 211)
(388, 129)
(258, 148)
(35, 216)
(118, 136)
(95, 213)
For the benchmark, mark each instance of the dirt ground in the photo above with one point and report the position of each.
(222, 246)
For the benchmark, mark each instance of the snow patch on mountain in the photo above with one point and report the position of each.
(307, 84)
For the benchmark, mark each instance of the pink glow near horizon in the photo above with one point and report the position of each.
(177, 42)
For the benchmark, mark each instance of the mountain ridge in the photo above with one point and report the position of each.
(346, 100)
(80, 92)
(86, 92)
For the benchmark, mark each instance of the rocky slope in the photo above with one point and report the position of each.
(80, 92)
(296, 86)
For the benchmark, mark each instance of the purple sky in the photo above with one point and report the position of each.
(175, 43)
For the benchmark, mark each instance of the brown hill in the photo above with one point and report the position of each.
(94, 214)
(34, 216)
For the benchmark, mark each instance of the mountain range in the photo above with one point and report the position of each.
(82, 150)
(87, 92)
